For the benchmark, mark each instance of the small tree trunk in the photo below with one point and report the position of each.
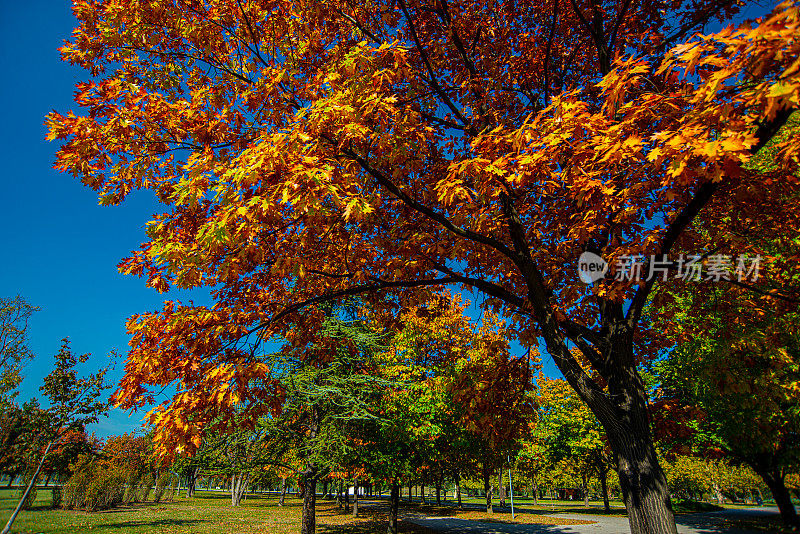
(422, 493)
(487, 487)
(355, 497)
(717, 493)
(439, 491)
(458, 490)
(191, 481)
(394, 505)
(325, 489)
(308, 524)
(283, 492)
(346, 499)
(31, 484)
(410, 492)
(604, 487)
(339, 499)
(585, 489)
(238, 485)
(774, 480)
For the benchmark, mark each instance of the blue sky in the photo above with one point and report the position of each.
(60, 249)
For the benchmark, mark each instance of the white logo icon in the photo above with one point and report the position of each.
(591, 268)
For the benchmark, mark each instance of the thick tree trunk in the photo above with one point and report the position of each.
(283, 492)
(355, 497)
(622, 409)
(410, 492)
(422, 493)
(439, 491)
(346, 498)
(774, 481)
(487, 487)
(535, 491)
(643, 484)
(394, 505)
(308, 523)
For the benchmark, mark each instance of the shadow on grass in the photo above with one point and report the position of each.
(371, 527)
(155, 523)
(527, 509)
(689, 507)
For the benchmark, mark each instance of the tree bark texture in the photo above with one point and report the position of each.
(308, 523)
(355, 497)
(238, 487)
(283, 492)
(394, 505)
(774, 480)
(487, 487)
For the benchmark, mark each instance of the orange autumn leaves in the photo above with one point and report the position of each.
(307, 151)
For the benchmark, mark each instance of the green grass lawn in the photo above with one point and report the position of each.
(208, 513)
(211, 513)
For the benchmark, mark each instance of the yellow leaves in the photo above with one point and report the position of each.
(785, 89)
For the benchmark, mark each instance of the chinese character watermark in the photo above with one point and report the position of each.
(690, 267)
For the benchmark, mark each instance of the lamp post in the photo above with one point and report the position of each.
(511, 488)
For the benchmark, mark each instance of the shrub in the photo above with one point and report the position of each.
(172, 489)
(56, 497)
(94, 487)
(105, 490)
(74, 490)
(162, 483)
(145, 487)
(131, 487)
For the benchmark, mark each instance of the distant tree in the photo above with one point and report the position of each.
(14, 351)
(741, 383)
(572, 434)
(73, 444)
(74, 403)
(20, 428)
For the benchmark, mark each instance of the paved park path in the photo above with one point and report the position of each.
(698, 523)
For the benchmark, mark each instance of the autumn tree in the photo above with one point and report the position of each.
(492, 387)
(310, 151)
(571, 432)
(743, 383)
(73, 444)
(20, 427)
